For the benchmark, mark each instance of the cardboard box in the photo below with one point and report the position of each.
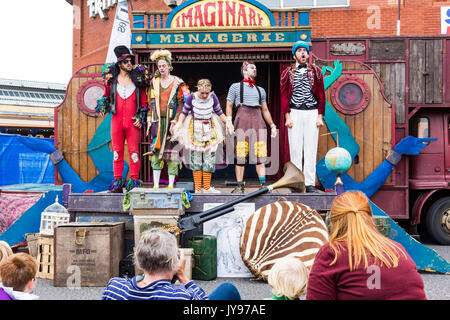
(88, 254)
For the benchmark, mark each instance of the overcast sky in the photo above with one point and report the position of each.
(36, 40)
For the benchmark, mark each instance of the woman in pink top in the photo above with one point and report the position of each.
(359, 262)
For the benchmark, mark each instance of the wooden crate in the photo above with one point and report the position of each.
(32, 239)
(45, 257)
(88, 254)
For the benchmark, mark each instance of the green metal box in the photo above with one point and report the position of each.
(156, 201)
(205, 257)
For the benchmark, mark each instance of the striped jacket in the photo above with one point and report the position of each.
(315, 78)
(127, 289)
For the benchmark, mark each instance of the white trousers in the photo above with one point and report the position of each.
(303, 139)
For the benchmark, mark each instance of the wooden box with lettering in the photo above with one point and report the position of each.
(88, 254)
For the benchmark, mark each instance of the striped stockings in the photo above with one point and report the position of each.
(207, 180)
(198, 175)
(197, 180)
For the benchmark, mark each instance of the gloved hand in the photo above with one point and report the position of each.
(273, 130)
(412, 145)
(175, 127)
(229, 126)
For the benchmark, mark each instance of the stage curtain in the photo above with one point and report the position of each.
(278, 118)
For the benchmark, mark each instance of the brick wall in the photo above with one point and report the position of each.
(91, 35)
(363, 17)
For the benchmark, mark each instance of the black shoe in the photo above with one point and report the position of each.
(238, 189)
(311, 189)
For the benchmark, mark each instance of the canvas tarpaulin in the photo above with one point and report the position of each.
(25, 160)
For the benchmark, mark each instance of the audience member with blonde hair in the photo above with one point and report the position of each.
(18, 274)
(288, 279)
(359, 262)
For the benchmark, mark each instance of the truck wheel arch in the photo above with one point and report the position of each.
(419, 204)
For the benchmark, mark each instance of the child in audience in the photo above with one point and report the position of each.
(18, 274)
(288, 279)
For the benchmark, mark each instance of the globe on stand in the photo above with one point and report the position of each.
(338, 160)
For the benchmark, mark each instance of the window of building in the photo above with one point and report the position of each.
(420, 127)
(279, 4)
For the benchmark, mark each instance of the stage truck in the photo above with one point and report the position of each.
(383, 89)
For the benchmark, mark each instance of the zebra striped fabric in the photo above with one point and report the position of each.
(301, 89)
(278, 230)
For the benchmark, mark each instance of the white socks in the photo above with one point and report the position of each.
(171, 180)
(156, 176)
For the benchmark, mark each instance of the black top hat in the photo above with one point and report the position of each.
(122, 52)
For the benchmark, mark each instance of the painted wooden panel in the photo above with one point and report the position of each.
(371, 128)
(392, 76)
(387, 49)
(425, 71)
(416, 71)
(437, 70)
(76, 128)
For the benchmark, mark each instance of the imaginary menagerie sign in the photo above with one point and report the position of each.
(217, 23)
(224, 14)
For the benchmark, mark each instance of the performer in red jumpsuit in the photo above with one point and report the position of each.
(127, 101)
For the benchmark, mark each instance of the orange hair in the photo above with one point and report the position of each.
(351, 222)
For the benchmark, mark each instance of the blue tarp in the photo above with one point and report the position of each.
(25, 160)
